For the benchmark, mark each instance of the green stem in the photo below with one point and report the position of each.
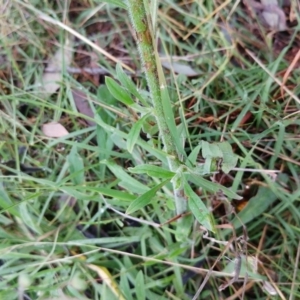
(146, 49)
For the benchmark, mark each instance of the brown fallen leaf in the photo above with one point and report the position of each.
(54, 130)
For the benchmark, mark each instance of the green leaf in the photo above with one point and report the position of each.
(229, 158)
(198, 208)
(256, 206)
(113, 193)
(118, 3)
(127, 181)
(124, 284)
(72, 191)
(135, 133)
(6, 204)
(118, 92)
(159, 154)
(145, 199)
(192, 158)
(140, 289)
(153, 171)
(247, 269)
(211, 150)
(29, 218)
(128, 84)
(170, 120)
(184, 227)
(213, 186)
(76, 166)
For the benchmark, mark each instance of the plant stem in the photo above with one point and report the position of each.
(146, 49)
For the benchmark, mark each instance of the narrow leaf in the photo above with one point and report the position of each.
(152, 170)
(5, 202)
(118, 92)
(256, 206)
(113, 193)
(124, 284)
(135, 133)
(132, 184)
(145, 199)
(76, 166)
(118, 3)
(213, 186)
(140, 286)
(128, 84)
(192, 158)
(198, 208)
(28, 218)
(170, 120)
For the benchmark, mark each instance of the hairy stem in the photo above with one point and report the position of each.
(146, 49)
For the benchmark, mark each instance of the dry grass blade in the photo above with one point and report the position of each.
(87, 41)
(289, 92)
(224, 4)
(288, 72)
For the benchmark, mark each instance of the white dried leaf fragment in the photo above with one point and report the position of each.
(54, 130)
(50, 81)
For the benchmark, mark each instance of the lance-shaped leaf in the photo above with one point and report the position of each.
(135, 133)
(118, 92)
(213, 186)
(153, 171)
(76, 166)
(145, 199)
(128, 84)
(127, 181)
(198, 208)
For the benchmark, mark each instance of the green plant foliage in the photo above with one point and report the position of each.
(198, 208)
(118, 92)
(134, 133)
(128, 84)
(153, 171)
(137, 199)
(218, 153)
(76, 166)
(145, 198)
(140, 286)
